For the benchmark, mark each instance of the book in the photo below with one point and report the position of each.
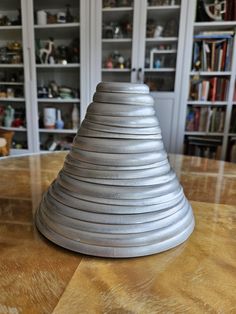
(223, 56)
(222, 121)
(190, 120)
(203, 119)
(209, 115)
(205, 90)
(213, 88)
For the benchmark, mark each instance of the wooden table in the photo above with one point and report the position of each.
(37, 276)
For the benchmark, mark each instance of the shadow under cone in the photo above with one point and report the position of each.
(116, 195)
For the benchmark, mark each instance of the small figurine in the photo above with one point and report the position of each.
(171, 28)
(63, 54)
(107, 31)
(9, 116)
(157, 63)
(109, 3)
(44, 53)
(117, 31)
(121, 61)
(158, 31)
(69, 17)
(109, 63)
(150, 29)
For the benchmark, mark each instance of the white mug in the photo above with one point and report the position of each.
(61, 17)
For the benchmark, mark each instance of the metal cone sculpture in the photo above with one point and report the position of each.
(117, 195)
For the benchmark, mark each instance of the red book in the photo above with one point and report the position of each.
(196, 118)
(213, 88)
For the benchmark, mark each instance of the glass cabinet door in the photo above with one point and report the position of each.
(161, 43)
(12, 76)
(57, 63)
(117, 40)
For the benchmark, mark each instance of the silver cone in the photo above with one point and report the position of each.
(116, 195)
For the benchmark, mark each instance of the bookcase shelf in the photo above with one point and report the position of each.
(62, 25)
(207, 103)
(205, 133)
(219, 25)
(63, 131)
(123, 9)
(14, 129)
(58, 100)
(210, 73)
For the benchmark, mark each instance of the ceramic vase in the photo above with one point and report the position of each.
(49, 118)
(116, 195)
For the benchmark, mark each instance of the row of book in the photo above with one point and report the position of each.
(212, 51)
(205, 119)
(213, 89)
(206, 147)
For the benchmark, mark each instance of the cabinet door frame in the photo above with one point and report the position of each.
(30, 75)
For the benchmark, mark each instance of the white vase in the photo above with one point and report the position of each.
(49, 118)
(75, 117)
(41, 17)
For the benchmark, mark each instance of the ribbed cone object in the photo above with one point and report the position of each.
(117, 195)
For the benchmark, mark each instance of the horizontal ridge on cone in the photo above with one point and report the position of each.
(121, 251)
(127, 182)
(103, 134)
(118, 228)
(114, 200)
(119, 110)
(116, 192)
(116, 145)
(110, 218)
(120, 130)
(109, 159)
(122, 88)
(125, 98)
(64, 197)
(80, 163)
(121, 174)
(131, 122)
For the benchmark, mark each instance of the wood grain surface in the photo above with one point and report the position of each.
(196, 277)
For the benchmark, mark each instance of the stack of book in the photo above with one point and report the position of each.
(212, 51)
(213, 89)
(205, 119)
(203, 147)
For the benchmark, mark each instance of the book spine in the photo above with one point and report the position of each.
(225, 44)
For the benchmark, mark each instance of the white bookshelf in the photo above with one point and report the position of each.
(224, 107)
